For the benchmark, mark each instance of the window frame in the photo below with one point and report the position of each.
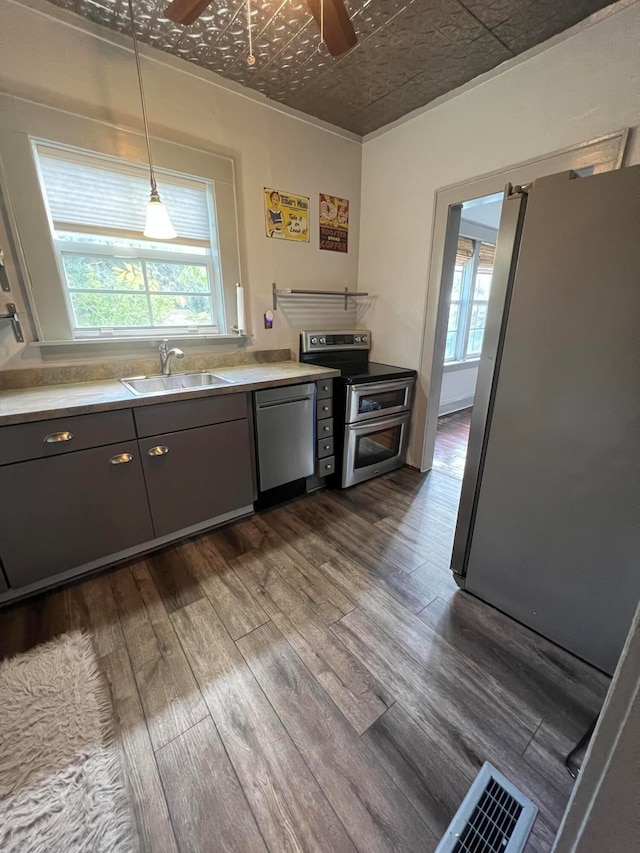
(467, 290)
(71, 247)
(25, 123)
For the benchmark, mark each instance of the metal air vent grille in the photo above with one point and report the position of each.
(494, 817)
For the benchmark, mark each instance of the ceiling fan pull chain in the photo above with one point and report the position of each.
(321, 22)
(251, 60)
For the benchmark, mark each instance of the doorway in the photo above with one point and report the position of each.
(469, 291)
(593, 156)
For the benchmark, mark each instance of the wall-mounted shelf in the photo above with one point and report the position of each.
(345, 294)
(12, 314)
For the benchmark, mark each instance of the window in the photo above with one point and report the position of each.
(469, 299)
(115, 281)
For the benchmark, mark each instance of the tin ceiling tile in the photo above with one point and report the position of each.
(522, 24)
(409, 52)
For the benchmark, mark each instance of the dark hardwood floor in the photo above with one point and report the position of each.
(451, 443)
(310, 679)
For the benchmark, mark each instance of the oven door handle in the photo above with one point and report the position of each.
(379, 423)
(380, 387)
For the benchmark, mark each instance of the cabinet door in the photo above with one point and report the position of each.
(197, 474)
(63, 512)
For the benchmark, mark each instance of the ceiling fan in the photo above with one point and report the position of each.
(331, 15)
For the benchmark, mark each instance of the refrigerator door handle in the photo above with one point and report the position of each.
(508, 245)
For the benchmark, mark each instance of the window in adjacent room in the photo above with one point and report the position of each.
(469, 299)
(117, 283)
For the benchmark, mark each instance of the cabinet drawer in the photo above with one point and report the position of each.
(324, 408)
(42, 439)
(326, 466)
(325, 428)
(325, 447)
(186, 414)
(325, 388)
(197, 474)
(72, 509)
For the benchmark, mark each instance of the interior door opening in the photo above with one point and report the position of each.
(469, 290)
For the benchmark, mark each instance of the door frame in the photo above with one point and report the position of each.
(603, 154)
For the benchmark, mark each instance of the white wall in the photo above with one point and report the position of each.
(580, 88)
(458, 389)
(55, 58)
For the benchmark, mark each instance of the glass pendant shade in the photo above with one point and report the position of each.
(158, 226)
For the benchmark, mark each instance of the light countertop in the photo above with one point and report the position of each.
(53, 401)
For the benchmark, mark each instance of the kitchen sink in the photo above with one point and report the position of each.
(174, 382)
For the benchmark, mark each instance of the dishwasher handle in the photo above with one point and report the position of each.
(285, 394)
(288, 401)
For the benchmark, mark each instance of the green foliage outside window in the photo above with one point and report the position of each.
(120, 293)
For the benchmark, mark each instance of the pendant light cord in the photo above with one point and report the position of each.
(152, 177)
(251, 60)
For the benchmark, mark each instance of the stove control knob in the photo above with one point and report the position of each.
(323, 340)
(365, 339)
(314, 340)
(358, 339)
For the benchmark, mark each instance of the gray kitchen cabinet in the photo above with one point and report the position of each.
(71, 509)
(198, 474)
(43, 439)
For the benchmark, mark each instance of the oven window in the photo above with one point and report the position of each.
(378, 401)
(377, 446)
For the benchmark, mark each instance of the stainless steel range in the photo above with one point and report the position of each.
(372, 404)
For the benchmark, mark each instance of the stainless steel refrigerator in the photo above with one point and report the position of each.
(549, 523)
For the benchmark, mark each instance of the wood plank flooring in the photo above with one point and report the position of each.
(451, 443)
(311, 679)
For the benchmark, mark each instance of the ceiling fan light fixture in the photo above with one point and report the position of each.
(158, 224)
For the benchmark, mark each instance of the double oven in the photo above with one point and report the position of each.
(372, 404)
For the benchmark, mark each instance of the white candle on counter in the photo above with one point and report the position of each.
(240, 306)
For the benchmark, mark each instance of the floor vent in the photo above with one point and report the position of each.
(494, 817)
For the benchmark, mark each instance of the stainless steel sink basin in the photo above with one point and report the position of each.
(173, 383)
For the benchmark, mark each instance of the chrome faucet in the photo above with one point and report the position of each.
(166, 357)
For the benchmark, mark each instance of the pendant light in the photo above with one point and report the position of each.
(158, 225)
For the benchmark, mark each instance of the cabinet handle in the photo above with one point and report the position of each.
(55, 437)
(121, 459)
(158, 450)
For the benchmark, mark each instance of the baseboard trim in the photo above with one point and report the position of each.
(455, 406)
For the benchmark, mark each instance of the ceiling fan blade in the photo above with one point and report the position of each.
(185, 11)
(339, 34)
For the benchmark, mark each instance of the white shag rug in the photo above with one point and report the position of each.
(61, 783)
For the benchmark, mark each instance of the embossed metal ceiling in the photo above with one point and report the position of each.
(409, 51)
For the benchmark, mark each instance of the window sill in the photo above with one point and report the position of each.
(101, 341)
(452, 366)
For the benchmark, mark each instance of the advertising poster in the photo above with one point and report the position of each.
(286, 215)
(334, 223)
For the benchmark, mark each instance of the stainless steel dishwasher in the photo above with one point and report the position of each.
(285, 431)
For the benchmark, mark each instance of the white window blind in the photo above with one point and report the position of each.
(88, 194)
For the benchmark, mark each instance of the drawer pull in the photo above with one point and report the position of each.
(325, 387)
(327, 447)
(158, 450)
(55, 437)
(326, 428)
(328, 467)
(121, 459)
(325, 408)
